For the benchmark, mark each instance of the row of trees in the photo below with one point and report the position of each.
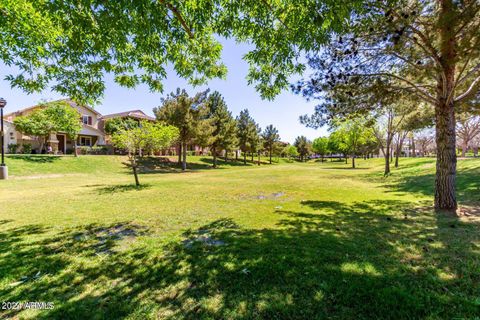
(204, 120)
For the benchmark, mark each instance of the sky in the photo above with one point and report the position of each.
(283, 112)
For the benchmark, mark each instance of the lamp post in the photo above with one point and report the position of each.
(3, 167)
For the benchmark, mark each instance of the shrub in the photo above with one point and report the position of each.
(12, 148)
(27, 148)
(96, 150)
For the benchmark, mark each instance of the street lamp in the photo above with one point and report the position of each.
(3, 167)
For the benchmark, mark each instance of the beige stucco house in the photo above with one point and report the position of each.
(90, 135)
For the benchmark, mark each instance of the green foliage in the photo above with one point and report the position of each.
(320, 146)
(51, 117)
(26, 148)
(304, 147)
(351, 134)
(12, 148)
(182, 111)
(115, 125)
(218, 125)
(290, 151)
(146, 138)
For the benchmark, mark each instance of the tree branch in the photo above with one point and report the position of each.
(179, 16)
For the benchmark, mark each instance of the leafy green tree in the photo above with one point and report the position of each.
(320, 146)
(290, 151)
(247, 133)
(352, 133)
(184, 112)
(144, 139)
(270, 137)
(114, 125)
(426, 50)
(51, 117)
(222, 131)
(304, 147)
(66, 120)
(255, 141)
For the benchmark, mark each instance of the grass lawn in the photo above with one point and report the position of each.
(284, 241)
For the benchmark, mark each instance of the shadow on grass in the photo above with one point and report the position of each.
(122, 188)
(160, 165)
(35, 158)
(331, 260)
(468, 185)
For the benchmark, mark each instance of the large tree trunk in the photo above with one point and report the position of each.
(252, 156)
(244, 157)
(475, 152)
(445, 198)
(401, 139)
(184, 160)
(236, 155)
(353, 161)
(270, 155)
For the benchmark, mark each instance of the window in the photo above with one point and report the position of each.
(87, 120)
(86, 141)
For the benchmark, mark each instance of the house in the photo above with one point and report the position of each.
(9, 133)
(90, 134)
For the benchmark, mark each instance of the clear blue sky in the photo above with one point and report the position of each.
(283, 112)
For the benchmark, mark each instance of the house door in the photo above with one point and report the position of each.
(61, 143)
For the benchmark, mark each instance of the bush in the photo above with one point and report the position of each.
(95, 150)
(12, 148)
(27, 148)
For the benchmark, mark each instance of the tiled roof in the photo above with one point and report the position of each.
(133, 114)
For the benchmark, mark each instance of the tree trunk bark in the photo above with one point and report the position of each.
(258, 158)
(252, 156)
(353, 161)
(270, 155)
(75, 152)
(464, 149)
(184, 160)
(244, 158)
(135, 173)
(445, 197)
(236, 155)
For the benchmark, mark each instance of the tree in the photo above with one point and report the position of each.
(468, 127)
(51, 117)
(352, 134)
(255, 140)
(426, 49)
(304, 147)
(320, 146)
(144, 139)
(243, 132)
(270, 137)
(115, 125)
(220, 126)
(184, 112)
(71, 46)
(66, 119)
(290, 151)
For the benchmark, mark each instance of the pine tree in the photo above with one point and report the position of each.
(271, 137)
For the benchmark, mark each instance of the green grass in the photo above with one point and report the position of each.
(284, 241)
